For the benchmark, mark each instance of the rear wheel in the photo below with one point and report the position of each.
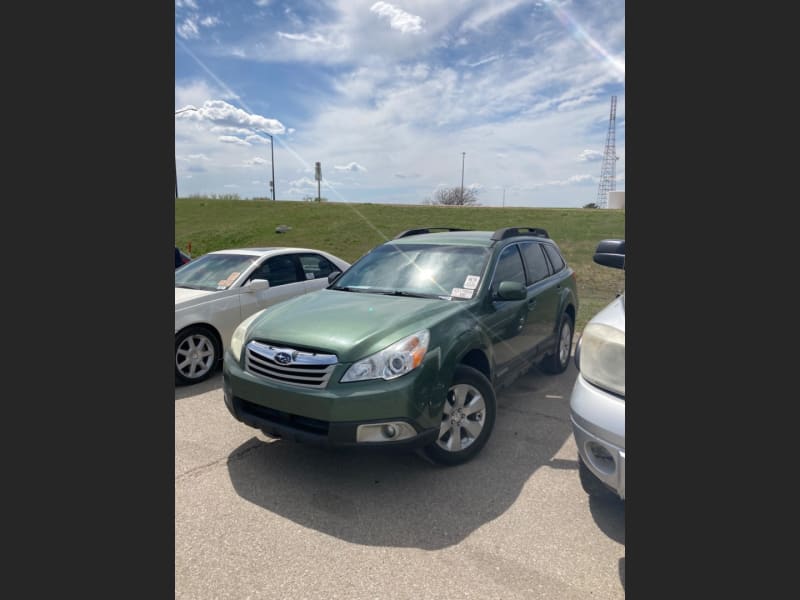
(467, 418)
(558, 360)
(197, 352)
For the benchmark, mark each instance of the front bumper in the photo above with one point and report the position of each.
(598, 423)
(332, 415)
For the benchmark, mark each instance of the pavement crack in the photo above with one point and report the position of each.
(238, 455)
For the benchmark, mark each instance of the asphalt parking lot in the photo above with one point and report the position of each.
(262, 518)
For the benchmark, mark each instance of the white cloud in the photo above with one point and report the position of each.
(486, 60)
(262, 2)
(353, 167)
(303, 182)
(186, 3)
(230, 139)
(194, 93)
(575, 102)
(222, 114)
(490, 13)
(399, 19)
(257, 160)
(257, 139)
(188, 29)
(590, 155)
(302, 37)
(231, 185)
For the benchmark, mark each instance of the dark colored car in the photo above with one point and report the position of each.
(407, 347)
(181, 258)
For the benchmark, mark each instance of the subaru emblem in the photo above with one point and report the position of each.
(283, 358)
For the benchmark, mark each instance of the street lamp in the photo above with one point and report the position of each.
(463, 154)
(272, 162)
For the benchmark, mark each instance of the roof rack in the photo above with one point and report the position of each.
(409, 232)
(507, 232)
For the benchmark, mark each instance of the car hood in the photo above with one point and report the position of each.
(351, 325)
(613, 314)
(187, 297)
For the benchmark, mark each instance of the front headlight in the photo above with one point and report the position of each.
(237, 339)
(602, 357)
(392, 362)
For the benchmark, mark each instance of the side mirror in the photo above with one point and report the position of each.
(255, 285)
(333, 275)
(511, 290)
(610, 253)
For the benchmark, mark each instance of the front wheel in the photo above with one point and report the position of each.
(558, 360)
(197, 352)
(468, 418)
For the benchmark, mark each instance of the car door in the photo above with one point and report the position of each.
(506, 319)
(285, 281)
(543, 295)
(316, 269)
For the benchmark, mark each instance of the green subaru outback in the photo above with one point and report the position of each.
(408, 345)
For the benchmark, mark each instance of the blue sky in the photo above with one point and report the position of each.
(387, 96)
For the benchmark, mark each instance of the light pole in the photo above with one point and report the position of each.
(272, 162)
(463, 154)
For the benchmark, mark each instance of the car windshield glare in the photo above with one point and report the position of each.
(213, 271)
(424, 269)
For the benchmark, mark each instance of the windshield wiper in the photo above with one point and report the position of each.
(406, 294)
(345, 288)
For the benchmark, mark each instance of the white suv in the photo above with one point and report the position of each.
(597, 404)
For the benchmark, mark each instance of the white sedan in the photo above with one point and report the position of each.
(217, 291)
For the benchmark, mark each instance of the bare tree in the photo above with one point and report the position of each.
(455, 196)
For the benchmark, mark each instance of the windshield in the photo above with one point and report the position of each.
(417, 270)
(213, 271)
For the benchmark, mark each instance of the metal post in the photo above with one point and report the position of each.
(272, 161)
(463, 154)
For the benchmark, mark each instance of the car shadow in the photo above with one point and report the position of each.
(183, 390)
(391, 498)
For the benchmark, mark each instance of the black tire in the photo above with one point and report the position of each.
(467, 418)
(197, 354)
(558, 360)
(591, 484)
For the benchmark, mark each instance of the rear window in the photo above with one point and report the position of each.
(555, 258)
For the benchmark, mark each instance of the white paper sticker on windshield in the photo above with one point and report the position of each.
(472, 282)
(461, 293)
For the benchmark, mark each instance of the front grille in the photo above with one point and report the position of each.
(304, 369)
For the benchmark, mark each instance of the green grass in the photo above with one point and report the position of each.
(350, 230)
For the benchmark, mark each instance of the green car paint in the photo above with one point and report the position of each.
(468, 324)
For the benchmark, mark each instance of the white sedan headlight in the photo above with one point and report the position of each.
(392, 362)
(237, 339)
(602, 357)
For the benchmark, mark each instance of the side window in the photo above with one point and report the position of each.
(535, 262)
(555, 258)
(278, 270)
(509, 268)
(316, 266)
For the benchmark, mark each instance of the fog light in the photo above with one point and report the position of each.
(384, 432)
(601, 458)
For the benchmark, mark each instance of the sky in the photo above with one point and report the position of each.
(399, 99)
